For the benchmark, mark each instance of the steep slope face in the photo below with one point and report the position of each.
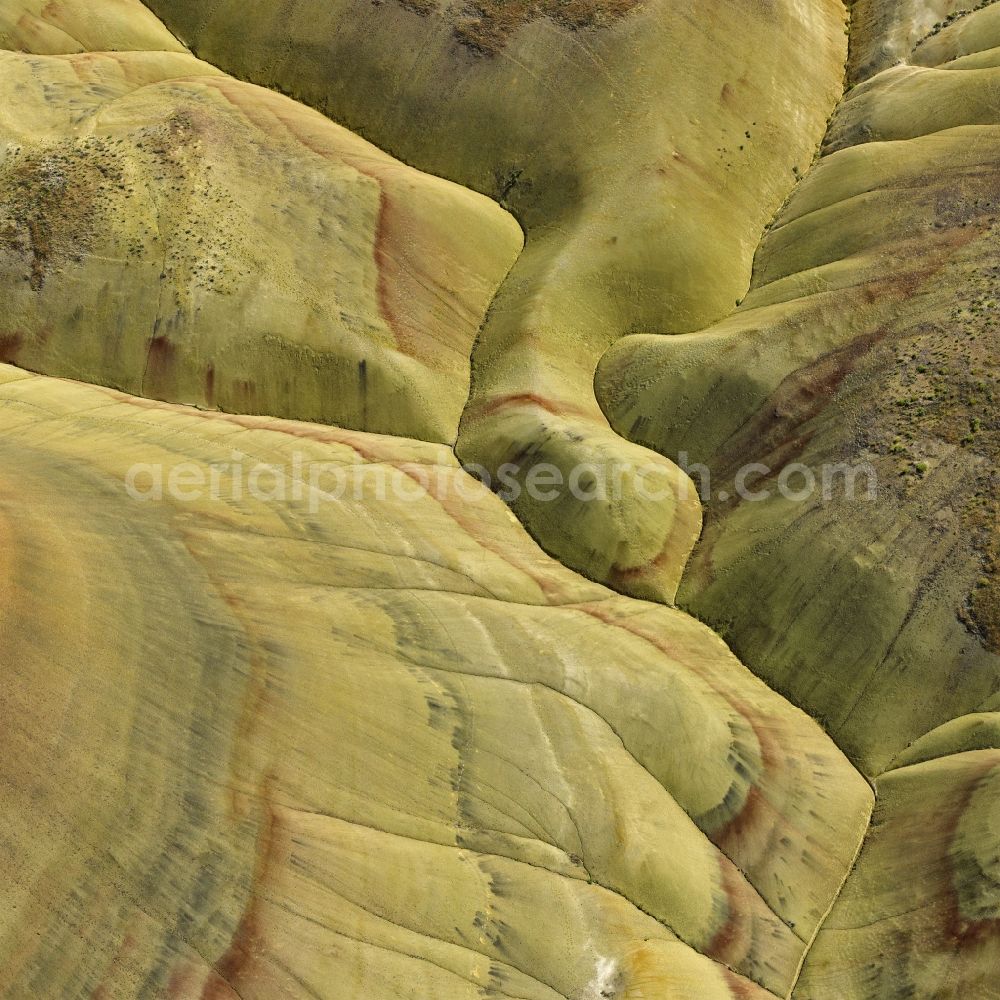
(868, 340)
(299, 711)
(892, 935)
(168, 230)
(642, 146)
(885, 34)
(58, 27)
(304, 712)
(653, 102)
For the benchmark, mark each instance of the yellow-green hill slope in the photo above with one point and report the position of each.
(340, 729)
(642, 146)
(173, 232)
(869, 339)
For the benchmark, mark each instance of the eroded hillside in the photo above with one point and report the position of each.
(297, 707)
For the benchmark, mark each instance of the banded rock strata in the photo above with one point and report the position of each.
(301, 741)
(639, 213)
(172, 232)
(919, 915)
(868, 339)
(369, 748)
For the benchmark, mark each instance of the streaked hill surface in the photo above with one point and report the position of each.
(295, 706)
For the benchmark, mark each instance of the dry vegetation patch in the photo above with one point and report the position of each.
(485, 26)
